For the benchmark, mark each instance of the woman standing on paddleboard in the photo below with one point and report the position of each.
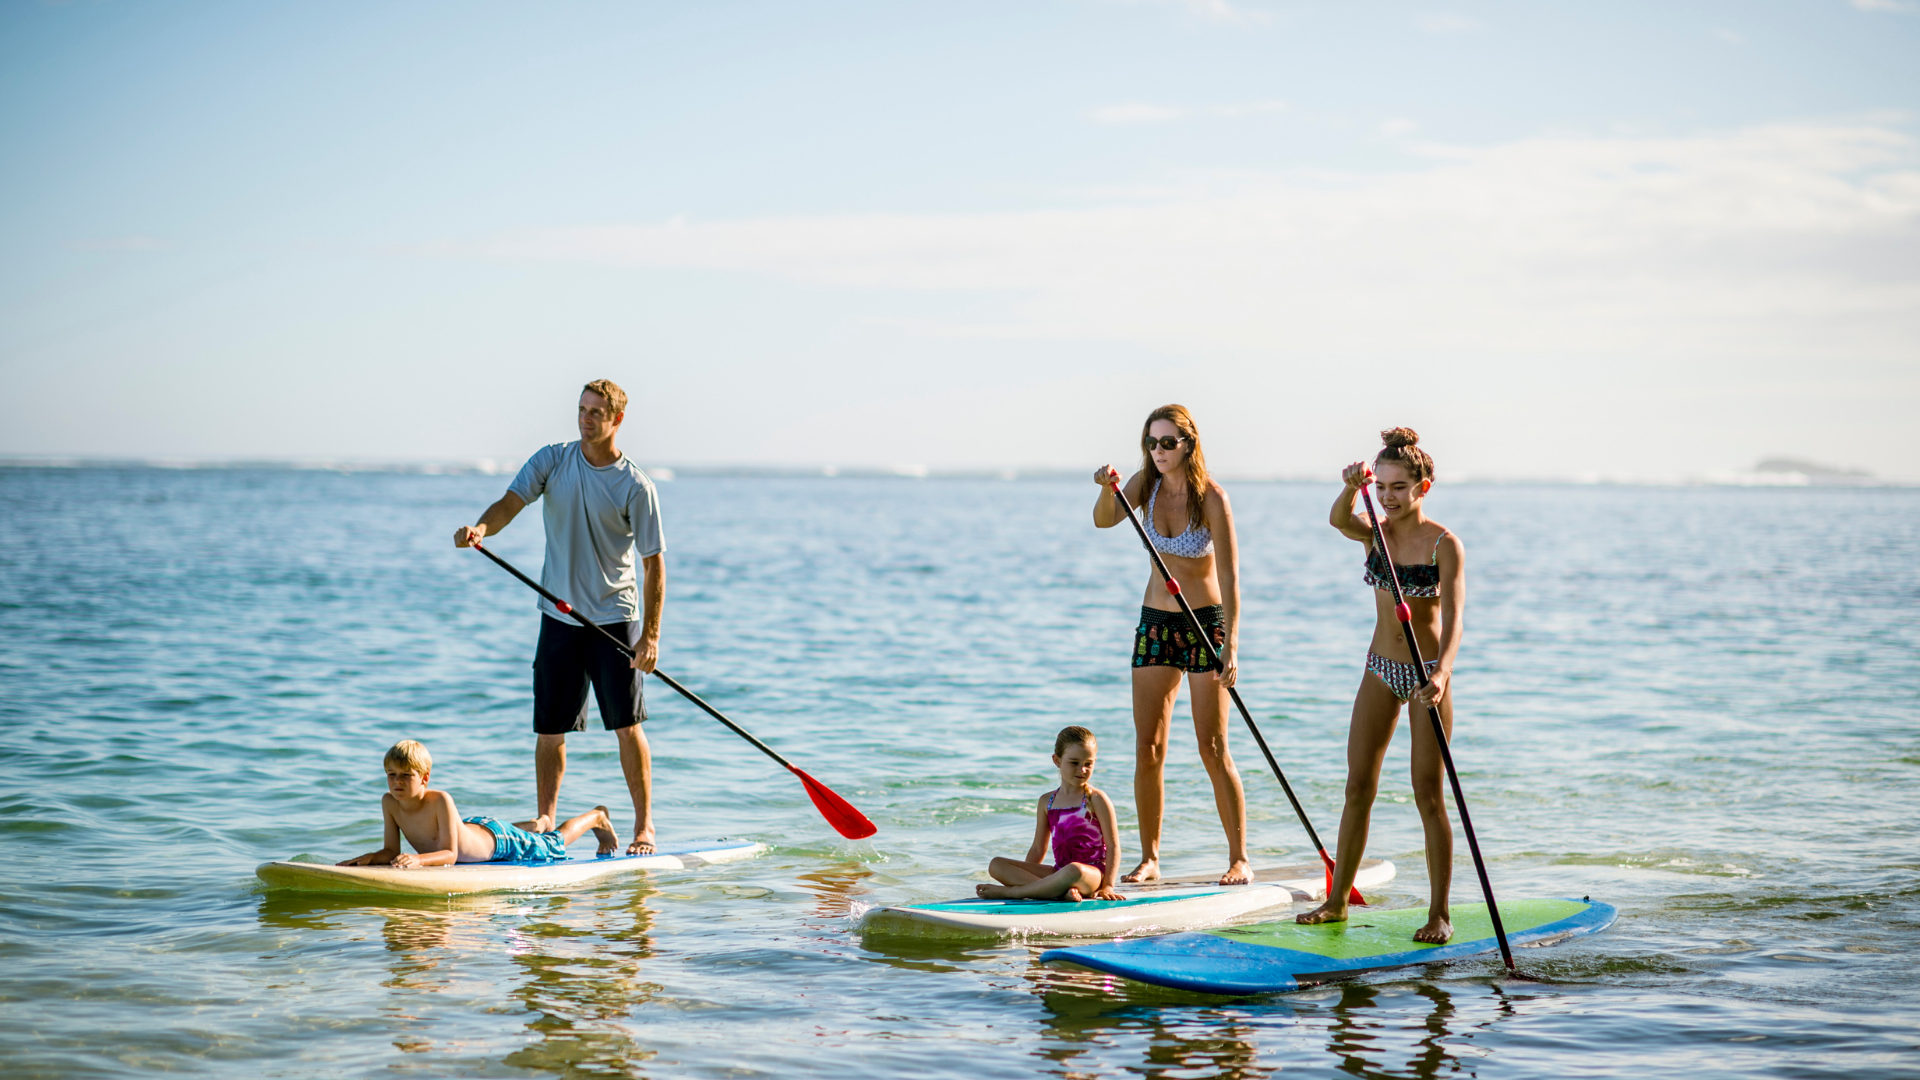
(1433, 578)
(1191, 525)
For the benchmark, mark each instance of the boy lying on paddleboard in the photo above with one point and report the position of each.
(1078, 818)
(429, 821)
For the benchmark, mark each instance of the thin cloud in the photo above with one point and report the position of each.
(1760, 242)
(1216, 10)
(1135, 114)
(1140, 113)
(1447, 22)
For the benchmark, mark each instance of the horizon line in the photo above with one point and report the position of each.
(1771, 473)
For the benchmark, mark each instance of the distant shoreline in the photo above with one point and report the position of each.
(1770, 478)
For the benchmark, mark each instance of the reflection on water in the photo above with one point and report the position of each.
(583, 984)
(575, 967)
(1417, 1030)
(1079, 1035)
(836, 889)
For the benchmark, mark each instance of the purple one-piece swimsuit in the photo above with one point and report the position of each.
(1076, 836)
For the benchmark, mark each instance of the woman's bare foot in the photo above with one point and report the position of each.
(991, 892)
(1237, 874)
(1073, 894)
(1148, 870)
(1325, 913)
(603, 832)
(1438, 931)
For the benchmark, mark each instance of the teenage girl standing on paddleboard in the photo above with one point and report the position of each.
(1430, 562)
(1191, 525)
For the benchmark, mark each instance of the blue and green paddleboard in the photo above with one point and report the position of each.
(1272, 957)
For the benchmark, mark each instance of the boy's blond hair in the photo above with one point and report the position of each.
(409, 756)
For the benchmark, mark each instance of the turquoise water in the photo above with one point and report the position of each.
(1699, 705)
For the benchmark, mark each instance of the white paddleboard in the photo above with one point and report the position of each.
(1182, 903)
(492, 876)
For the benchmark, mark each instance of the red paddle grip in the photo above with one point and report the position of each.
(1402, 612)
(567, 609)
(1173, 587)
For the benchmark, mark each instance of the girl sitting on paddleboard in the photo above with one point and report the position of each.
(1190, 524)
(1078, 819)
(1433, 580)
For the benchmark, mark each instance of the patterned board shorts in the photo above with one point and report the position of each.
(511, 843)
(1166, 639)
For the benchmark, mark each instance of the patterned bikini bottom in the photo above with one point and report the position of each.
(1399, 676)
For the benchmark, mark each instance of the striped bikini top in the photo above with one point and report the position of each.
(1196, 542)
(1416, 579)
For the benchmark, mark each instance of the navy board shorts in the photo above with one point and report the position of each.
(569, 659)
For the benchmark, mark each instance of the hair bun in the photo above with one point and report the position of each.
(1400, 436)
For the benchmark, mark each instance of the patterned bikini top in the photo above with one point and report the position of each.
(1196, 542)
(1416, 579)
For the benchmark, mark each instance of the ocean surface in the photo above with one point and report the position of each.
(1701, 705)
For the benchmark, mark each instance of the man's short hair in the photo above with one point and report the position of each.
(409, 756)
(616, 397)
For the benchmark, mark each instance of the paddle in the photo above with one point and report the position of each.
(1213, 655)
(1405, 615)
(840, 813)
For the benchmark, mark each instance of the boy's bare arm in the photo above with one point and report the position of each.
(446, 827)
(389, 839)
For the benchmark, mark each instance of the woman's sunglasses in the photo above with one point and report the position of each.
(1164, 442)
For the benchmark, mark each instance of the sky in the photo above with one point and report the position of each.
(1614, 240)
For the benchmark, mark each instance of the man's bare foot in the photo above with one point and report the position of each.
(603, 832)
(541, 823)
(1237, 874)
(1325, 913)
(642, 843)
(991, 892)
(1148, 870)
(1438, 931)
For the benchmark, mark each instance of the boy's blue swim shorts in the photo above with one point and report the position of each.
(511, 843)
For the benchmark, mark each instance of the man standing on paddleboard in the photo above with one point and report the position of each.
(601, 511)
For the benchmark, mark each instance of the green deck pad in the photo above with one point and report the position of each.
(983, 904)
(1381, 933)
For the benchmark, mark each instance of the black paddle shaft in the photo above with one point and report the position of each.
(567, 609)
(1405, 615)
(1213, 655)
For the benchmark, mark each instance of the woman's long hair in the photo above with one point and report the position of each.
(1196, 466)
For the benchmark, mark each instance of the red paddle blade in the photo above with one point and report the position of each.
(1353, 894)
(840, 813)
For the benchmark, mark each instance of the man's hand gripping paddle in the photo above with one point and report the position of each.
(1405, 615)
(1213, 655)
(840, 813)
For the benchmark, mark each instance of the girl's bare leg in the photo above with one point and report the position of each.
(1075, 881)
(1229, 798)
(1017, 871)
(1153, 693)
(1430, 796)
(1375, 713)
